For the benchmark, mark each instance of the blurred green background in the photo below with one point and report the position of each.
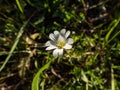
(92, 64)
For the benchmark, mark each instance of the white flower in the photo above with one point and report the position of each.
(59, 41)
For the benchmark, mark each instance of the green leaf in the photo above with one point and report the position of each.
(20, 6)
(30, 3)
(84, 77)
(36, 79)
(112, 27)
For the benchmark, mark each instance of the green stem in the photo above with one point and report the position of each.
(87, 86)
(112, 79)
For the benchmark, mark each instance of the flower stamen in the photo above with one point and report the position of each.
(60, 44)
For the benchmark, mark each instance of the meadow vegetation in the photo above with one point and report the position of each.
(93, 62)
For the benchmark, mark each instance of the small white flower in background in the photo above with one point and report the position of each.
(58, 42)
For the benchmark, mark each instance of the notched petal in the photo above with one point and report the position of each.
(70, 41)
(51, 47)
(60, 52)
(67, 46)
(67, 34)
(61, 38)
(63, 31)
(55, 53)
(52, 37)
(47, 43)
(56, 33)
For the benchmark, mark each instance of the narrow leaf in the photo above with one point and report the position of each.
(36, 79)
(113, 37)
(84, 77)
(19, 6)
(14, 45)
(112, 27)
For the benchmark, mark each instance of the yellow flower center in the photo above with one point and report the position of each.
(60, 44)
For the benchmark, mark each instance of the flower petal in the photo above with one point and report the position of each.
(67, 46)
(63, 31)
(61, 38)
(51, 47)
(47, 43)
(56, 33)
(70, 41)
(67, 34)
(58, 52)
(55, 53)
(52, 37)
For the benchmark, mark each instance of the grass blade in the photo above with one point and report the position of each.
(35, 82)
(14, 45)
(19, 6)
(113, 37)
(112, 27)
